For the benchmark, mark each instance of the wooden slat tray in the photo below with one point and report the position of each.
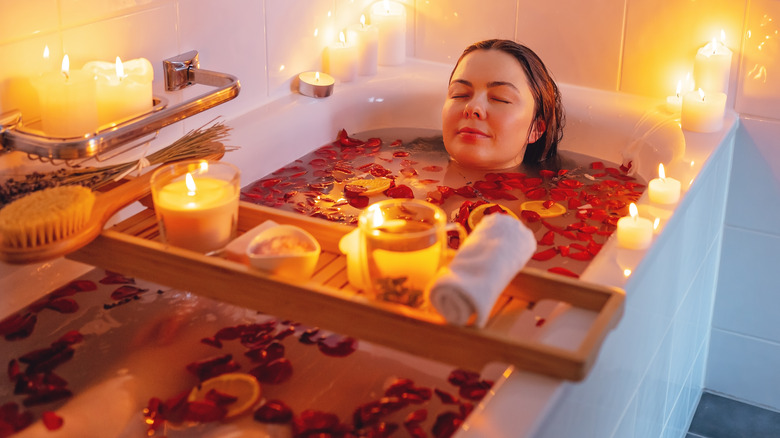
(133, 248)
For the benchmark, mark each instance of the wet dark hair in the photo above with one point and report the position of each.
(547, 98)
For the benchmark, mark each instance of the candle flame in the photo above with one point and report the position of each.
(679, 87)
(387, 6)
(626, 272)
(342, 39)
(46, 52)
(120, 69)
(632, 210)
(203, 165)
(656, 222)
(723, 36)
(190, 183)
(701, 94)
(65, 66)
(363, 20)
(661, 173)
(714, 46)
(317, 76)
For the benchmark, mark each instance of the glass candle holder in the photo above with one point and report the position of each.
(403, 242)
(196, 203)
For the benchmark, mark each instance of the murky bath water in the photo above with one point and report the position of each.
(590, 193)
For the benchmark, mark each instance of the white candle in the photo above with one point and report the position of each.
(315, 84)
(342, 60)
(390, 18)
(198, 212)
(634, 232)
(674, 103)
(366, 39)
(663, 190)
(703, 112)
(124, 89)
(712, 66)
(67, 102)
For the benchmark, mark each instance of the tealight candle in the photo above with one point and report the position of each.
(703, 112)
(390, 18)
(67, 102)
(663, 190)
(342, 60)
(196, 203)
(366, 39)
(315, 84)
(712, 66)
(634, 232)
(124, 89)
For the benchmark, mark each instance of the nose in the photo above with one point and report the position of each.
(474, 108)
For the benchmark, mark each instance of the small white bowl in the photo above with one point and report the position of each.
(284, 263)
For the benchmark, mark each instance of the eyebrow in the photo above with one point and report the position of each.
(490, 84)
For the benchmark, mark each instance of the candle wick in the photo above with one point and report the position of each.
(64, 73)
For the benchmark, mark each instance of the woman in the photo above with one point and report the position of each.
(502, 109)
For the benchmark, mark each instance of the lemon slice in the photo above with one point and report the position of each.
(244, 387)
(538, 206)
(371, 186)
(478, 213)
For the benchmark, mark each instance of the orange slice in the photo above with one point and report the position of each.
(538, 206)
(478, 213)
(244, 387)
(371, 186)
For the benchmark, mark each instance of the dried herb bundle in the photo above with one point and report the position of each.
(196, 144)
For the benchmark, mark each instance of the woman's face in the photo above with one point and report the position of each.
(486, 119)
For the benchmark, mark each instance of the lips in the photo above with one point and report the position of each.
(471, 133)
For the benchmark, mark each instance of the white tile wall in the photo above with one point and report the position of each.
(759, 86)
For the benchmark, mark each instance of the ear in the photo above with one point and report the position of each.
(537, 129)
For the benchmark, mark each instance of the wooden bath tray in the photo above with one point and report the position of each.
(133, 248)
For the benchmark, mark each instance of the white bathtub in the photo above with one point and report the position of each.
(647, 379)
(622, 395)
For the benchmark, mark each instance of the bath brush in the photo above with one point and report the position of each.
(56, 221)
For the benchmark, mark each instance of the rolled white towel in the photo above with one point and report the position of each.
(485, 264)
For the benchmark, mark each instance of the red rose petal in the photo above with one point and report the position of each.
(275, 412)
(123, 292)
(446, 424)
(548, 238)
(402, 191)
(433, 168)
(547, 254)
(563, 271)
(530, 216)
(359, 201)
(337, 346)
(274, 372)
(51, 420)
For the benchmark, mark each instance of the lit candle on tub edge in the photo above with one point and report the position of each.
(712, 66)
(674, 103)
(197, 210)
(67, 102)
(124, 89)
(341, 59)
(315, 84)
(390, 18)
(663, 190)
(366, 39)
(703, 112)
(634, 232)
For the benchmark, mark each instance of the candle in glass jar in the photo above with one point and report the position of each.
(712, 66)
(663, 190)
(198, 212)
(703, 112)
(342, 60)
(365, 38)
(390, 18)
(67, 102)
(124, 89)
(634, 232)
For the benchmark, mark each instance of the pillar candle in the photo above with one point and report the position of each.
(712, 67)
(366, 39)
(663, 190)
(634, 232)
(390, 18)
(703, 112)
(342, 60)
(124, 89)
(67, 102)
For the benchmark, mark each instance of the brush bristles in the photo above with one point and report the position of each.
(45, 216)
